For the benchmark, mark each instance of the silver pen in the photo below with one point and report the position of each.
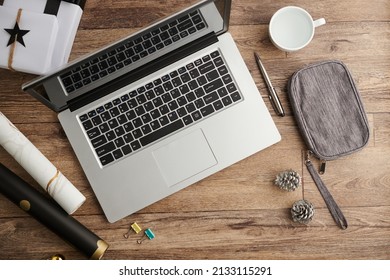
(272, 92)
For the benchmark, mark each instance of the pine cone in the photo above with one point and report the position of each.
(288, 180)
(302, 211)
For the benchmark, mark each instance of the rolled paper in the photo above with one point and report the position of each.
(39, 167)
(50, 214)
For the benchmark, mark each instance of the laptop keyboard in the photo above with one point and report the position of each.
(130, 51)
(156, 109)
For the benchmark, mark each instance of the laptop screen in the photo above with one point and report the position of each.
(181, 26)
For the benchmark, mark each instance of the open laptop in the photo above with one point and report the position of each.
(159, 110)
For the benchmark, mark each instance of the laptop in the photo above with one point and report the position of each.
(160, 109)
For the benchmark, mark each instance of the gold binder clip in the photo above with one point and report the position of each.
(133, 227)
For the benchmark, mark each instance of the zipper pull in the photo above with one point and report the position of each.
(307, 157)
(322, 166)
(322, 162)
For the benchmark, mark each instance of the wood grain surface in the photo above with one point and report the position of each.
(237, 213)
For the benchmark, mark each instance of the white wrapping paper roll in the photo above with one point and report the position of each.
(39, 167)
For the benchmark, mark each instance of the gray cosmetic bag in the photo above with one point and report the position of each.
(331, 118)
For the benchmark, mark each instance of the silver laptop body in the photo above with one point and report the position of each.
(159, 110)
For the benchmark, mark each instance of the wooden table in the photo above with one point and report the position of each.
(237, 213)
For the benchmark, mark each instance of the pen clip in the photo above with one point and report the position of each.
(276, 103)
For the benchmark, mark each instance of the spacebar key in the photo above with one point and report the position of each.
(161, 132)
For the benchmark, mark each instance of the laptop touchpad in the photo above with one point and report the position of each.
(184, 157)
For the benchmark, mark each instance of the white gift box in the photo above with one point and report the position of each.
(38, 33)
(68, 14)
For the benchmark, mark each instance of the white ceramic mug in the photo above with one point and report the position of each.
(292, 28)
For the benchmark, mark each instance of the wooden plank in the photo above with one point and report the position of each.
(265, 234)
(260, 12)
(237, 213)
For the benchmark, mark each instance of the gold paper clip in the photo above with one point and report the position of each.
(133, 227)
(57, 257)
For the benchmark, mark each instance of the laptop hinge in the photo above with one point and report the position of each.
(143, 71)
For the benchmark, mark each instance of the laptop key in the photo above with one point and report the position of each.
(164, 120)
(218, 105)
(202, 80)
(137, 122)
(187, 120)
(122, 119)
(211, 97)
(114, 112)
(78, 85)
(227, 100)
(231, 88)
(197, 19)
(106, 159)
(117, 154)
(176, 38)
(164, 131)
(135, 145)
(87, 125)
(214, 54)
(218, 61)
(119, 131)
(236, 96)
(137, 133)
(128, 127)
(192, 30)
(92, 113)
(67, 81)
(227, 79)
(109, 147)
(105, 116)
(212, 75)
(216, 84)
(123, 108)
(204, 68)
(196, 115)
(98, 141)
(126, 149)
(94, 132)
(184, 25)
(69, 89)
(76, 77)
(113, 123)
(146, 129)
(207, 110)
(100, 109)
(131, 115)
(83, 117)
(155, 125)
(200, 26)
(104, 128)
(110, 135)
(97, 121)
(128, 137)
(119, 142)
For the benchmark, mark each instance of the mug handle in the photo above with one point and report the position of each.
(319, 22)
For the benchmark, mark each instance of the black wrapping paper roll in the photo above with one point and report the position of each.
(49, 213)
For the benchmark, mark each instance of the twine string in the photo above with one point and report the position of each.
(13, 46)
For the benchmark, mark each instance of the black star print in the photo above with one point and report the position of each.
(16, 35)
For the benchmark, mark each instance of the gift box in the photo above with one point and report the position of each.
(27, 40)
(68, 14)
